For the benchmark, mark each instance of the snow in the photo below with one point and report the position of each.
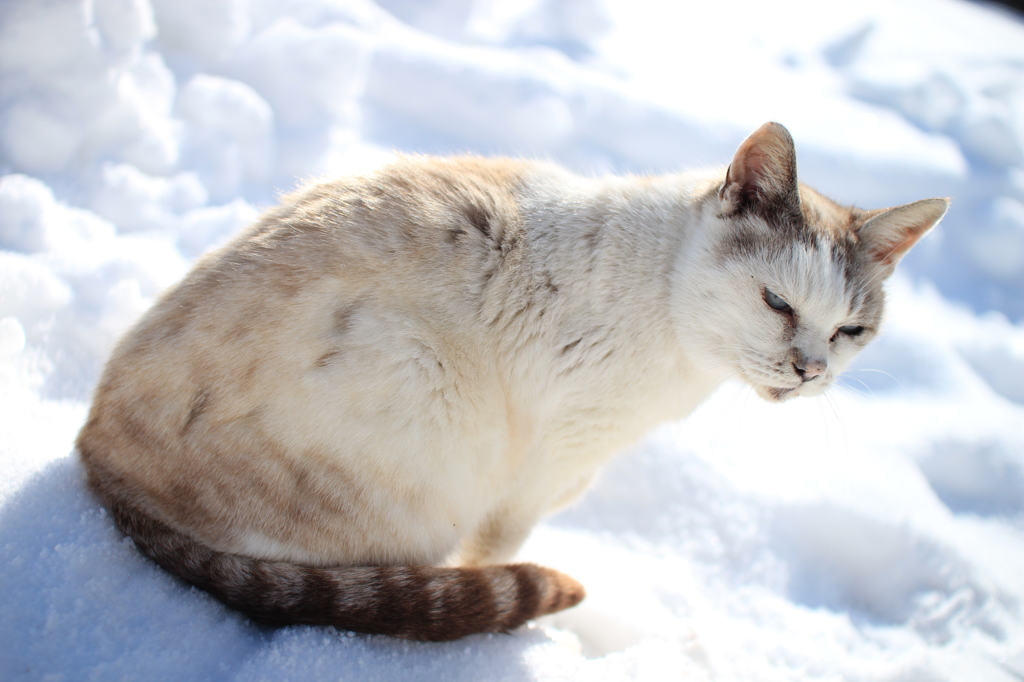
(876, 533)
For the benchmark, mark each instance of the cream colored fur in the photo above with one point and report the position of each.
(413, 367)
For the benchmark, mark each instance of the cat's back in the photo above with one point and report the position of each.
(419, 230)
(415, 214)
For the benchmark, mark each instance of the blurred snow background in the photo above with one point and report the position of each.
(874, 534)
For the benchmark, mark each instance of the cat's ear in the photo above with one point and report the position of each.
(762, 175)
(888, 235)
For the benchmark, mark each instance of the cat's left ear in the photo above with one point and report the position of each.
(888, 235)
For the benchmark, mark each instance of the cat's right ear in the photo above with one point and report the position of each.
(762, 175)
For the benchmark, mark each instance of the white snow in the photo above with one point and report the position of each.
(876, 533)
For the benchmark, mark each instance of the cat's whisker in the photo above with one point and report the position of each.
(857, 379)
(824, 421)
(745, 391)
(849, 390)
(883, 373)
(724, 363)
(830, 400)
(726, 378)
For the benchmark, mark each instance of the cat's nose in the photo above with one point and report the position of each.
(810, 369)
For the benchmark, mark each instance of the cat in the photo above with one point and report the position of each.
(354, 413)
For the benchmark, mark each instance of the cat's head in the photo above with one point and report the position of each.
(789, 285)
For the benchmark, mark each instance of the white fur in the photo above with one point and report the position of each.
(428, 412)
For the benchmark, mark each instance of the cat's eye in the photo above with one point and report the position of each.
(850, 330)
(776, 301)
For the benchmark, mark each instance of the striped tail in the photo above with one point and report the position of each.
(416, 602)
